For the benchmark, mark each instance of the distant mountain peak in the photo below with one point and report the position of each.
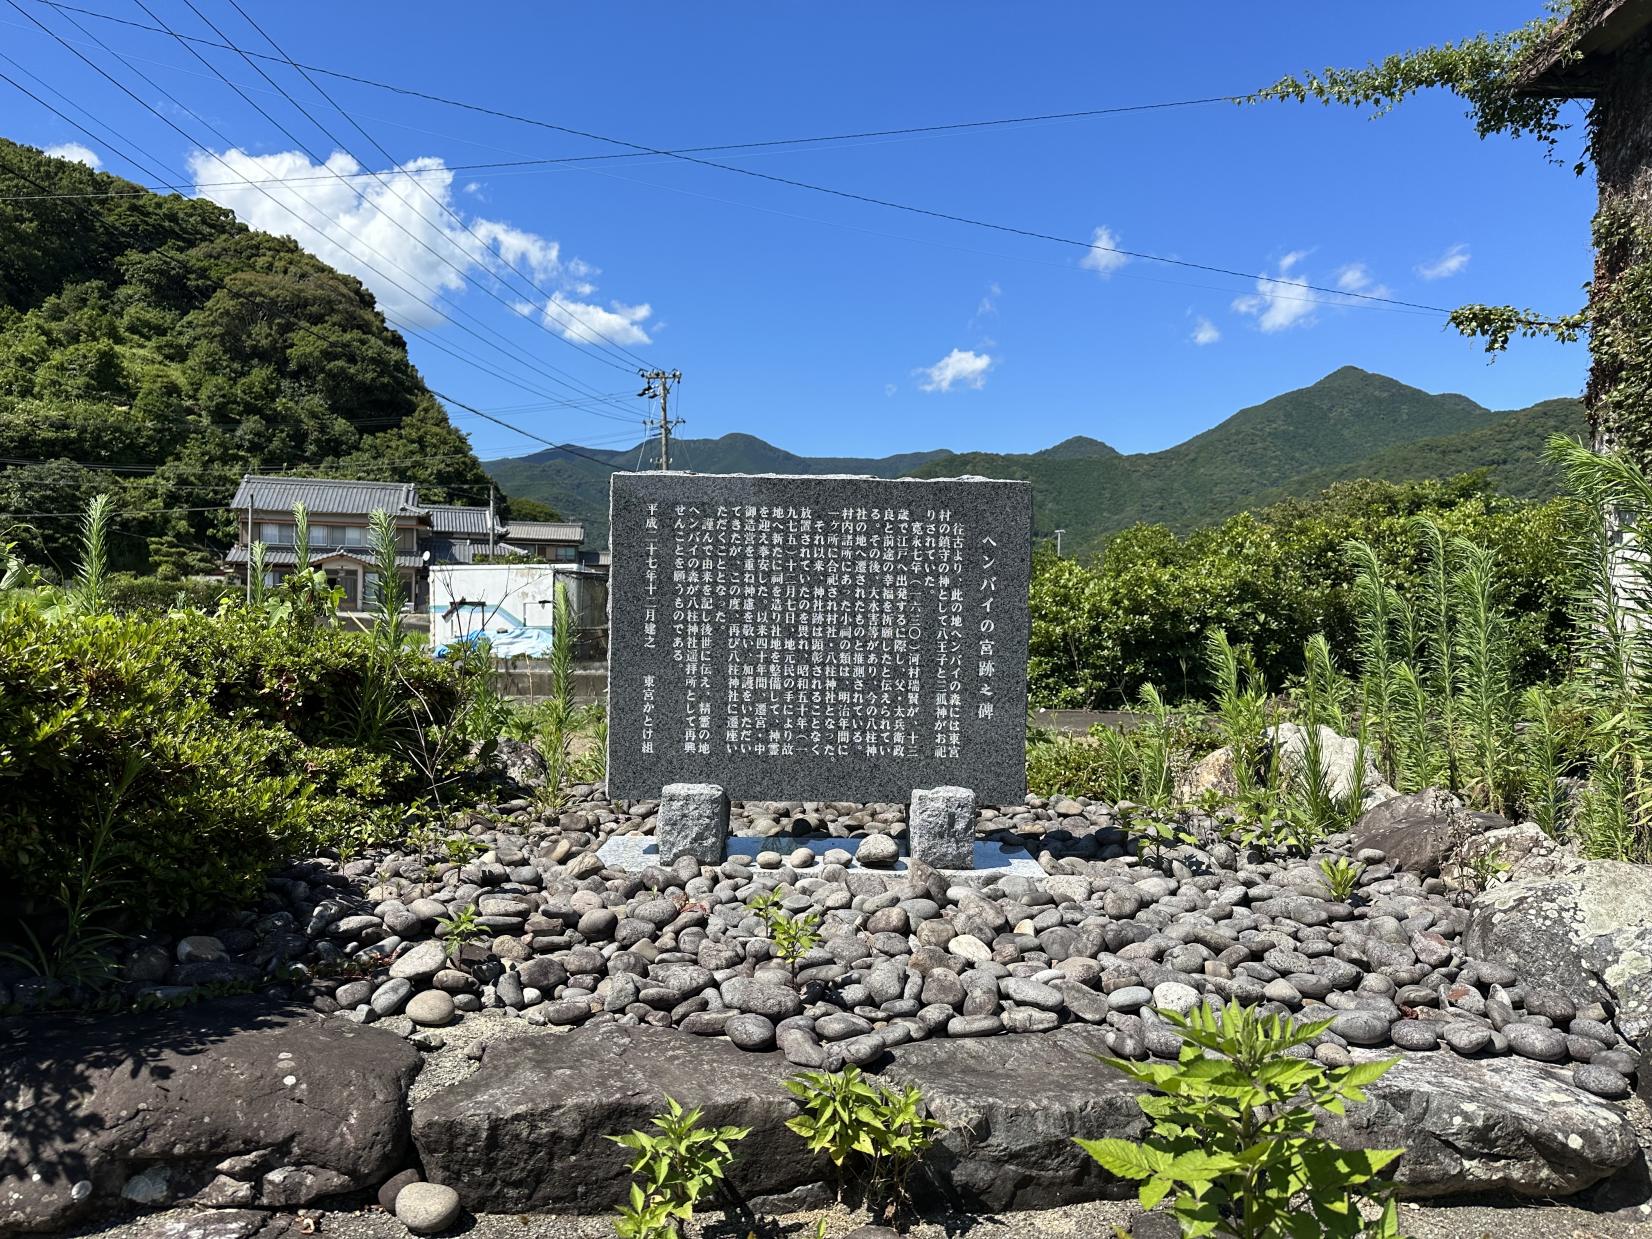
(1079, 447)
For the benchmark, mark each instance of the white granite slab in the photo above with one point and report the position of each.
(992, 860)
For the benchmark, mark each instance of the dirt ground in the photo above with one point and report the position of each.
(1532, 1220)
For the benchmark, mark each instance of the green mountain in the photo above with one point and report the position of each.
(577, 485)
(1350, 424)
(155, 348)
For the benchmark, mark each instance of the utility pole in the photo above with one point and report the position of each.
(1058, 534)
(491, 549)
(657, 384)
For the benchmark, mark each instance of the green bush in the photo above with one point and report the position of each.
(1233, 1133)
(1272, 578)
(241, 731)
(129, 594)
(1061, 765)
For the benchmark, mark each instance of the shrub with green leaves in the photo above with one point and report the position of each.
(246, 739)
(1341, 876)
(1232, 1142)
(674, 1167)
(880, 1131)
(793, 936)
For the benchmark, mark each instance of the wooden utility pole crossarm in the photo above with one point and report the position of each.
(657, 384)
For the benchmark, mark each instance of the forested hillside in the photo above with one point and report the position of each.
(156, 348)
(1350, 424)
(577, 486)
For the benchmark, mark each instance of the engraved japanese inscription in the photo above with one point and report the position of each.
(818, 637)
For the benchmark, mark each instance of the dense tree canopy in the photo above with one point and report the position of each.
(1271, 578)
(156, 348)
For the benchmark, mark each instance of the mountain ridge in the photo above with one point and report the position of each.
(1351, 423)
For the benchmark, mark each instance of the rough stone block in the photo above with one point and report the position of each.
(942, 827)
(693, 821)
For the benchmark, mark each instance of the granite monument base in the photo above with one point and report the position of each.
(989, 860)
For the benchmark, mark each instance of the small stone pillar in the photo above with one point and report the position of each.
(693, 821)
(941, 827)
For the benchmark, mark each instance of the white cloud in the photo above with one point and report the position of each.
(1447, 264)
(589, 324)
(1205, 331)
(76, 152)
(390, 222)
(889, 389)
(989, 302)
(1282, 300)
(960, 366)
(1103, 257)
(1354, 277)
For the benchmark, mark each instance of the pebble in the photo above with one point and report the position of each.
(878, 851)
(392, 996)
(1601, 1081)
(421, 962)
(1361, 1027)
(1415, 1034)
(750, 1032)
(427, 1208)
(431, 1008)
(1175, 996)
(1547, 1045)
(1466, 1038)
(1130, 998)
(391, 1186)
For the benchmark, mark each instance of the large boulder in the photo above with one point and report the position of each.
(1012, 1107)
(1477, 1126)
(1421, 831)
(233, 1104)
(526, 1130)
(1348, 771)
(1586, 930)
(1214, 772)
(520, 762)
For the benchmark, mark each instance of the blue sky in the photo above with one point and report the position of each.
(834, 327)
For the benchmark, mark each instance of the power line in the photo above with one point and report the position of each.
(868, 199)
(507, 164)
(502, 345)
(382, 182)
(504, 348)
(618, 349)
(305, 327)
(561, 447)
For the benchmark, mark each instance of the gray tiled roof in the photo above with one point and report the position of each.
(286, 557)
(545, 531)
(326, 496)
(465, 551)
(452, 518)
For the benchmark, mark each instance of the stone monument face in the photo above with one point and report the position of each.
(818, 638)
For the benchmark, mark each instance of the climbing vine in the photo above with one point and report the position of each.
(1495, 75)
(1484, 71)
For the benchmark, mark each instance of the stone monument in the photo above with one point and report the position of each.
(819, 638)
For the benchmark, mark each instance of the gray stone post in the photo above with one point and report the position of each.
(693, 821)
(941, 827)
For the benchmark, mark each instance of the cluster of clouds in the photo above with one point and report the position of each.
(405, 235)
(1287, 296)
